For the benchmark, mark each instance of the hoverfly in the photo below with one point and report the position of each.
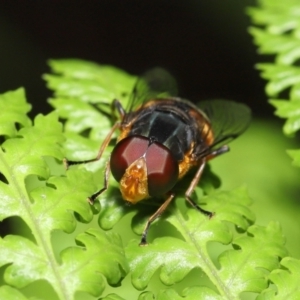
(162, 137)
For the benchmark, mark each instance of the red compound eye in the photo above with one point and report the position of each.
(125, 153)
(162, 169)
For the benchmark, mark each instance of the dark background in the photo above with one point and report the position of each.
(205, 44)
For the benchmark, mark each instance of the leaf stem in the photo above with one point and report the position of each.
(205, 262)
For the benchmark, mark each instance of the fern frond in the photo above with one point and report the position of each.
(286, 281)
(31, 189)
(192, 293)
(277, 34)
(88, 81)
(9, 293)
(113, 297)
(235, 271)
(14, 108)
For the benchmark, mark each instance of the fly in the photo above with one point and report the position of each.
(162, 137)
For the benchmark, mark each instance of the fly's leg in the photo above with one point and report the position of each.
(116, 105)
(197, 177)
(217, 152)
(93, 197)
(191, 188)
(160, 210)
(68, 163)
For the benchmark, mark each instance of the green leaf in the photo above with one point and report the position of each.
(36, 188)
(52, 205)
(280, 77)
(113, 297)
(231, 279)
(255, 253)
(286, 48)
(102, 255)
(81, 116)
(23, 156)
(13, 107)
(289, 110)
(146, 296)
(9, 293)
(193, 293)
(88, 81)
(113, 208)
(278, 16)
(286, 281)
(278, 35)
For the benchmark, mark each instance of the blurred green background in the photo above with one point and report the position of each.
(259, 160)
(205, 45)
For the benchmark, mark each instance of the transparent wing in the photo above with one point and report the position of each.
(155, 83)
(228, 119)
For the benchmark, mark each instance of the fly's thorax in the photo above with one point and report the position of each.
(161, 121)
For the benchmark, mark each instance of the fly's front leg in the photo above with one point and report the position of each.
(105, 143)
(92, 198)
(116, 105)
(67, 163)
(197, 177)
(160, 210)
